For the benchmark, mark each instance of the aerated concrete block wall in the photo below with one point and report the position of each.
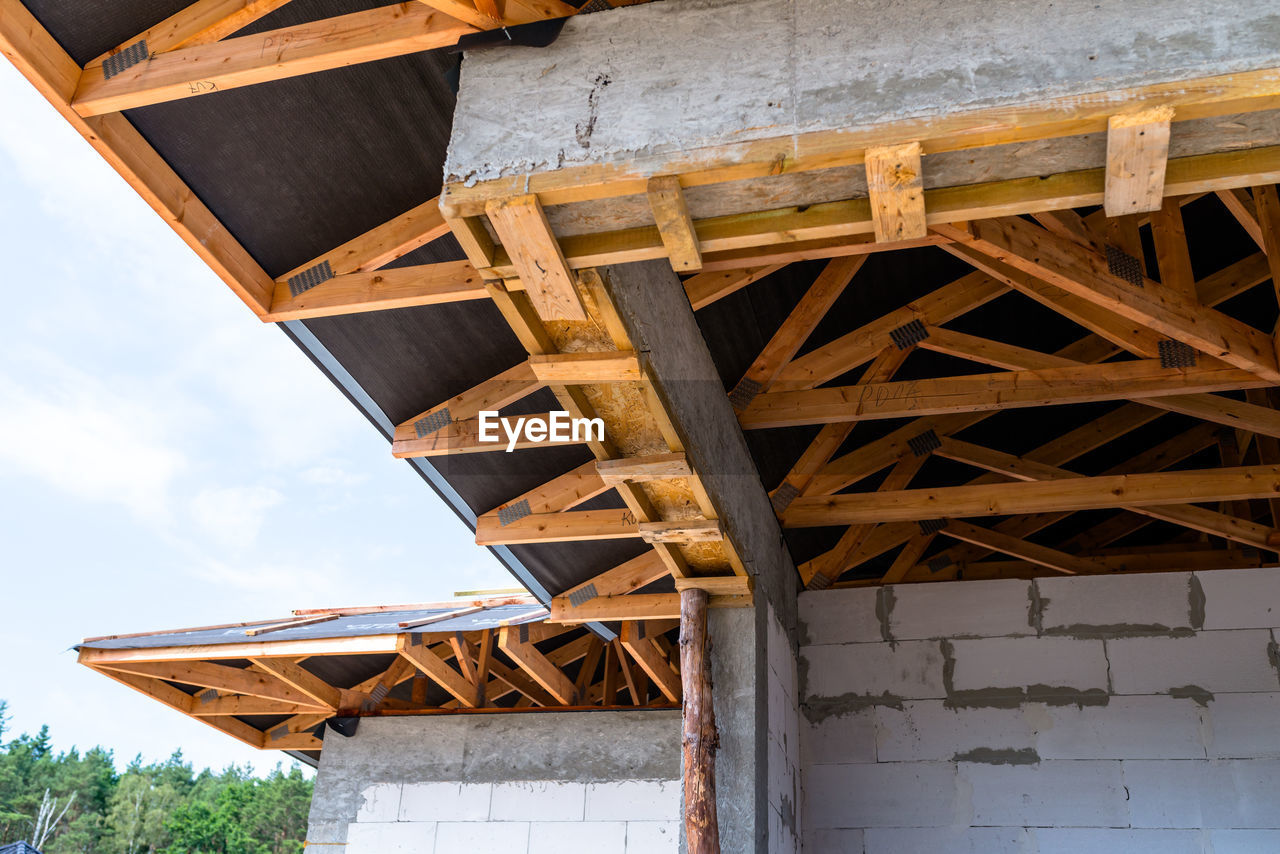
(532, 783)
(1078, 714)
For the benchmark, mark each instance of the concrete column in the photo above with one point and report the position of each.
(753, 649)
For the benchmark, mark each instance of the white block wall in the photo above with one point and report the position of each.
(1104, 714)
(783, 733)
(515, 817)
(532, 783)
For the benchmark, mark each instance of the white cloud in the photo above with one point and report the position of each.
(87, 443)
(234, 515)
(332, 475)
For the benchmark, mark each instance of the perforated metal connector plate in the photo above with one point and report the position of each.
(595, 6)
(1175, 354)
(924, 444)
(583, 595)
(125, 59)
(938, 564)
(302, 282)
(1122, 265)
(514, 512)
(743, 393)
(433, 423)
(819, 582)
(908, 334)
(783, 496)
(931, 526)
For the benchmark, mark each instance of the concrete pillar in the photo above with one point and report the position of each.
(753, 649)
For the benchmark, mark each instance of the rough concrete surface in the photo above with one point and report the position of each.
(686, 74)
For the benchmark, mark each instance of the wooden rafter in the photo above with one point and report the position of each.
(203, 22)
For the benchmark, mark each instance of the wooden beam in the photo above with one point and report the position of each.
(706, 288)
(1172, 256)
(1268, 202)
(642, 469)
(204, 674)
(636, 606)
(650, 659)
(586, 368)
(895, 185)
(1030, 552)
(981, 392)
(231, 705)
(1240, 205)
(536, 665)
(675, 225)
(304, 49)
(1076, 270)
(1085, 493)
(493, 394)
(558, 527)
(1137, 156)
(293, 674)
(526, 235)
(563, 493)
(422, 657)
(383, 244)
(463, 437)
(380, 290)
(632, 575)
(682, 531)
(203, 22)
(797, 328)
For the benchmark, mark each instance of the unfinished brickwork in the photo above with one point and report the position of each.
(523, 784)
(1115, 713)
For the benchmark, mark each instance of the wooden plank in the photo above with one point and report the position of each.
(1268, 202)
(535, 664)
(385, 243)
(296, 622)
(636, 606)
(304, 49)
(1240, 205)
(403, 287)
(1172, 256)
(622, 579)
(1078, 271)
(650, 658)
(895, 184)
(682, 531)
(203, 22)
(1030, 552)
(293, 674)
(1132, 380)
(675, 225)
(463, 437)
(232, 705)
(1086, 493)
(863, 344)
(829, 439)
(563, 493)
(440, 618)
(506, 388)
(1137, 156)
(718, 585)
(526, 235)
(800, 323)
(910, 555)
(206, 674)
(465, 11)
(558, 527)
(586, 368)
(421, 657)
(706, 288)
(642, 469)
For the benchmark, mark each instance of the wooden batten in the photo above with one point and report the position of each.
(675, 225)
(534, 252)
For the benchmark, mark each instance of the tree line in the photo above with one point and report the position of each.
(79, 803)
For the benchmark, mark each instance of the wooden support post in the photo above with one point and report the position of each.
(675, 225)
(700, 739)
(536, 255)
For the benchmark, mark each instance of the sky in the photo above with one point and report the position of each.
(166, 459)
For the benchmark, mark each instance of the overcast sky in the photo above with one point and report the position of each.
(166, 459)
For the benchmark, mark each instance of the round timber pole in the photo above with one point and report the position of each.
(700, 741)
